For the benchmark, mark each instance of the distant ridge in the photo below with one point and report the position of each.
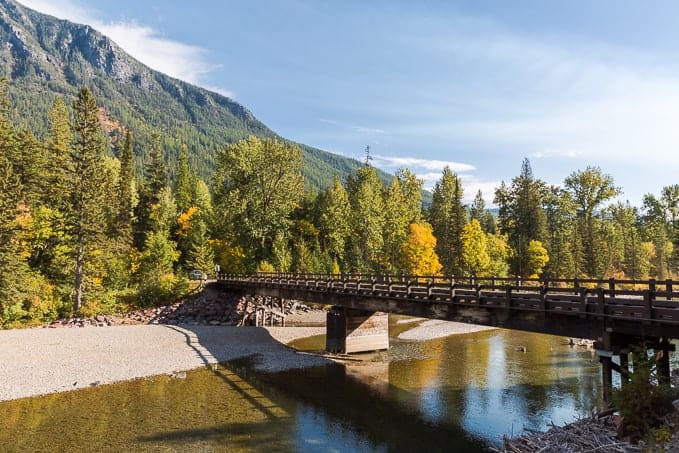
(43, 56)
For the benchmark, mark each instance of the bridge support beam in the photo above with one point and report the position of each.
(350, 331)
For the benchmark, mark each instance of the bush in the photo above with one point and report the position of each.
(167, 289)
(642, 401)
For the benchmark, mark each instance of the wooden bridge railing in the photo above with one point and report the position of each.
(640, 300)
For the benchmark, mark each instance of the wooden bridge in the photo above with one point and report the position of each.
(617, 314)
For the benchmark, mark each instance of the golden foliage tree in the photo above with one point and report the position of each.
(419, 253)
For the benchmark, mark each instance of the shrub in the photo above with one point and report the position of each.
(642, 401)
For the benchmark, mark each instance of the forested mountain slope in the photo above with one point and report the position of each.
(42, 57)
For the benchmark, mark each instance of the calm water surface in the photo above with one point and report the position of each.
(460, 393)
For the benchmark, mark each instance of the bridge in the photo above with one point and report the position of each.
(617, 314)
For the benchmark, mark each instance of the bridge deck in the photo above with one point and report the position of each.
(576, 308)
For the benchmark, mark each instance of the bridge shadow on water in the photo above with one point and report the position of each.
(322, 408)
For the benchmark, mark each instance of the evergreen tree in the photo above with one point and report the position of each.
(478, 211)
(87, 196)
(522, 217)
(396, 221)
(154, 183)
(126, 191)
(560, 214)
(200, 255)
(448, 218)
(58, 155)
(182, 185)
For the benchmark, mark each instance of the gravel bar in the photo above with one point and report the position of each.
(434, 328)
(40, 361)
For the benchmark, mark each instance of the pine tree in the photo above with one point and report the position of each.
(478, 211)
(126, 191)
(200, 255)
(560, 214)
(58, 155)
(155, 181)
(448, 218)
(87, 196)
(522, 217)
(182, 185)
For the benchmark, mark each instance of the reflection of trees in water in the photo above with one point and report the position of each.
(207, 409)
(394, 420)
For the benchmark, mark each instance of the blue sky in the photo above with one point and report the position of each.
(477, 85)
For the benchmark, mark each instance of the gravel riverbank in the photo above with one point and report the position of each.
(39, 361)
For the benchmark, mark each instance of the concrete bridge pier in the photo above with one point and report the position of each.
(350, 330)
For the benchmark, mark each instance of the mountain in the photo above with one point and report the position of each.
(42, 57)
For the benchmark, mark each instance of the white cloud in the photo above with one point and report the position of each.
(183, 61)
(415, 163)
(367, 130)
(556, 153)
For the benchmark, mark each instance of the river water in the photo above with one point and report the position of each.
(459, 393)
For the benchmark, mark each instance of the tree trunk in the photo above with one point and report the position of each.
(79, 265)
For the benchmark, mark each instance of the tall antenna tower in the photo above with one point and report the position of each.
(368, 157)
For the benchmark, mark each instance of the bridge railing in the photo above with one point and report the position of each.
(623, 299)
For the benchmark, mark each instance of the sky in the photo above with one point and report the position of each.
(478, 85)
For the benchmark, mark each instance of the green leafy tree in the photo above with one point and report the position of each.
(157, 282)
(590, 188)
(448, 218)
(333, 215)
(498, 252)
(365, 190)
(258, 184)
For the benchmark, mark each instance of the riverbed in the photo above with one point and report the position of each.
(458, 393)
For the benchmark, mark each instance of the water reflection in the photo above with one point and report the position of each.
(459, 393)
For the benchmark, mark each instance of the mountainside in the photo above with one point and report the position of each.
(42, 57)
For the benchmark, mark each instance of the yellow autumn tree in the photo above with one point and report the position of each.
(419, 255)
(536, 258)
(475, 248)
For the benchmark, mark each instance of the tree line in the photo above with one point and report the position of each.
(83, 231)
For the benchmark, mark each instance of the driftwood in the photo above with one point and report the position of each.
(584, 435)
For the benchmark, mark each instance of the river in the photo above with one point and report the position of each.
(459, 393)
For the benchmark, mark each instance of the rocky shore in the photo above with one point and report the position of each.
(210, 308)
